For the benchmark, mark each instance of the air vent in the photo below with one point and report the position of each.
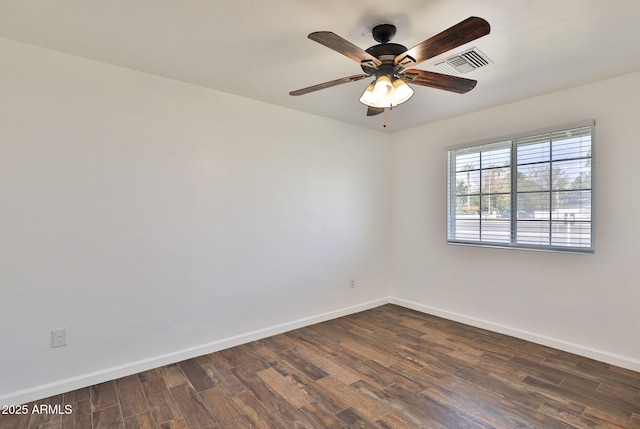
(464, 62)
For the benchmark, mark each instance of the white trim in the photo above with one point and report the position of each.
(599, 355)
(69, 384)
(107, 374)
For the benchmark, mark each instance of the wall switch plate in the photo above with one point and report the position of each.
(59, 337)
(352, 283)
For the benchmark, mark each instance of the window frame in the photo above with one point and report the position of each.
(512, 140)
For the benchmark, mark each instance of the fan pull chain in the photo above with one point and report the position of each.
(384, 123)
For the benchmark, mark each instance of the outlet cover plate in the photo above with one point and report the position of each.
(59, 337)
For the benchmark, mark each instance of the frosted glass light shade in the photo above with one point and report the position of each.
(383, 87)
(402, 92)
(384, 94)
(368, 97)
(383, 90)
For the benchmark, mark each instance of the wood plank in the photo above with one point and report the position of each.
(330, 364)
(108, 418)
(420, 408)
(173, 376)
(376, 374)
(15, 421)
(365, 352)
(396, 408)
(223, 409)
(303, 365)
(192, 408)
(104, 395)
(273, 406)
(132, 400)
(140, 421)
(559, 393)
(199, 378)
(81, 416)
(352, 398)
(256, 413)
(289, 391)
(47, 413)
(161, 404)
(608, 417)
(321, 417)
(179, 423)
(272, 359)
(224, 376)
(625, 392)
(45, 421)
(354, 419)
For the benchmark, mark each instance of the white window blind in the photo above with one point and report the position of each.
(532, 191)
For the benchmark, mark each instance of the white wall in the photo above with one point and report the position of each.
(583, 303)
(158, 220)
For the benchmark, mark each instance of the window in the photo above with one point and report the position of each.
(532, 191)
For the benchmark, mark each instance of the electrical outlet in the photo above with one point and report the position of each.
(352, 283)
(59, 337)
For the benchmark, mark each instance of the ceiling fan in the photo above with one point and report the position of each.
(391, 63)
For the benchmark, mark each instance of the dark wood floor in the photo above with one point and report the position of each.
(384, 368)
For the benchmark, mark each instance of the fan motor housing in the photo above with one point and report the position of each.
(385, 52)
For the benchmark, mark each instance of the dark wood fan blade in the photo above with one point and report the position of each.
(470, 29)
(373, 111)
(439, 81)
(329, 84)
(338, 44)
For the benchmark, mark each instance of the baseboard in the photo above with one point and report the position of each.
(599, 355)
(69, 384)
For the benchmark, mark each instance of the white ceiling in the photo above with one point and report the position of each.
(259, 49)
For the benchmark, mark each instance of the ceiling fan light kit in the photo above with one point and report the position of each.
(392, 64)
(383, 93)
